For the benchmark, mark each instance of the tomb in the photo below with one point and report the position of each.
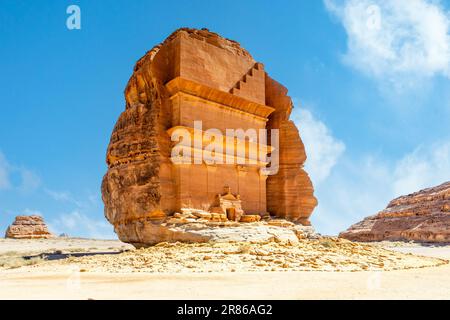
(197, 76)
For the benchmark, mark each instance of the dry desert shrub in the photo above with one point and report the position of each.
(327, 243)
(12, 262)
(78, 250)
(10, 254)
(244, 248)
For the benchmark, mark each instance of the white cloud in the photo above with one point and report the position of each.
(360, 187)
(350, 188)
(18, 179)
(4, 173)
(94, 199)
(322, 148)
(79, 224)
(395, 41)
(32, 212)
(80, 221)
(356, 188)
(58, 195)
(425, 167)
(29, 181)
(63, 196)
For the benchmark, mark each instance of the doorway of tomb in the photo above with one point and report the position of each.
(231, 214)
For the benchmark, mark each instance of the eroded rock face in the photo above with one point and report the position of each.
(421, 216)
(28, 227)
(198, 75)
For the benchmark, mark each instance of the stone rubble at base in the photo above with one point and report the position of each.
(194, 225)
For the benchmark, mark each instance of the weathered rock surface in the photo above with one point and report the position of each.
(28, 227)
(198, 75)
(421, 216)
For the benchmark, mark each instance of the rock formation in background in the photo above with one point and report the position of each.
(28, 227)
(422, 216)
(198, 75)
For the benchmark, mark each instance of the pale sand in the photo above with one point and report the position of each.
(62, 279)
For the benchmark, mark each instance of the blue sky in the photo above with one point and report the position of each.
(370, 80)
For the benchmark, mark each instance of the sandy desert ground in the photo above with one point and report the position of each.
(321, 269)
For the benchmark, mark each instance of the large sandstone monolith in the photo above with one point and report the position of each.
(28, 227)
(422, 216)
(197, 75)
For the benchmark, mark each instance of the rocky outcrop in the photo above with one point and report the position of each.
(198, 75)
(422, 216)
(28, 227)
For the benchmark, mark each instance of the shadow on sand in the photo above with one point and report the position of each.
(59, 255)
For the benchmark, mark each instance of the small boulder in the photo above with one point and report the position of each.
(250, 218)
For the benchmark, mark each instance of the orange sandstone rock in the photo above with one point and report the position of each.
(28, 227)
(421, 216)
(198, 75)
